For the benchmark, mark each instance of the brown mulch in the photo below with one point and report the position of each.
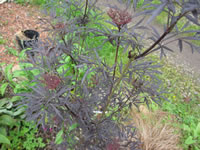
(14, 18)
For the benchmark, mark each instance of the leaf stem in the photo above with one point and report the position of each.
(86, 7)
(113, 88)
(116, 55)
(133, 57)
(168, 30)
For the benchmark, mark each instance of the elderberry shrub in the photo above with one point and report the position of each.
(82, 95)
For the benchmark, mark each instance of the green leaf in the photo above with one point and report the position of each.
(3, 88)
(197, 131)
(59, 138)
(5, 111)
(8, 71)
(189, 141)
(3, 102)
(4, 139)
(17, 88)
(72, 127)
(2, 64)
(186, 128)
(3, 131)
(18, 73)
(6, 120)
(9, 105)
(22, 54)
(11, 51)
(15, 98)
(19, 111)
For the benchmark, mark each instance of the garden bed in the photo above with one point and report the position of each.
(45, 85)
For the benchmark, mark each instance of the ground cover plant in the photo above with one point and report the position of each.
(73, 92)
(183, 93)
(32, 2)
(15, 133)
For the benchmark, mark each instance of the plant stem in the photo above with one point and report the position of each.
(85, 13)
(146, 52)
(113, 77)
(72, 58)
(116, 55)
(113, 88)
(168, 30)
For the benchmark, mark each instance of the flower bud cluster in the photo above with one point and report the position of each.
(51, 81)
(119, 17)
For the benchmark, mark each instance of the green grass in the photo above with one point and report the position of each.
(32, 2)
(184, 96)
(2, 40)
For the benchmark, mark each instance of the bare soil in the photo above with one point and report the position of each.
(14, 18)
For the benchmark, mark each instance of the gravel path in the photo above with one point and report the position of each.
(188, 61)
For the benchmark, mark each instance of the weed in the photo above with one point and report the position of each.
(24, 136)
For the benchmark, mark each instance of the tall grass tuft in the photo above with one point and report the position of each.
(153, 132)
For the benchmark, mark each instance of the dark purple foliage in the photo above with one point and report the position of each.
(80, 88)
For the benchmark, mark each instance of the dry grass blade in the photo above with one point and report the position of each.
(153, 132)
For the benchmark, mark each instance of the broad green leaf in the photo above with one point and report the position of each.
(3, 88)
(17, 88)
(9, 105)
(186, 128)
(197, 131)
(11, 51)
(15, 98)
(18, 73)
(189, 141)
(8, 71)
(22, 54)
(35, 72)
(59, 138)
(3, 131)
(25, 65)
(5, 111)
(4, 139)
(3, 102)
(6, 120)
(72, 127)
(19, 111)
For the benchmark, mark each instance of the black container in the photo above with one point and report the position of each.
(28, 39)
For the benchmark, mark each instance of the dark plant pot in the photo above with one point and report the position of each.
(29, 40)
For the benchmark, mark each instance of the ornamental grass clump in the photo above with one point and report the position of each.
(155, 131)
(81, 89)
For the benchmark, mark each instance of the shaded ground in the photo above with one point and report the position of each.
(188, 61)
